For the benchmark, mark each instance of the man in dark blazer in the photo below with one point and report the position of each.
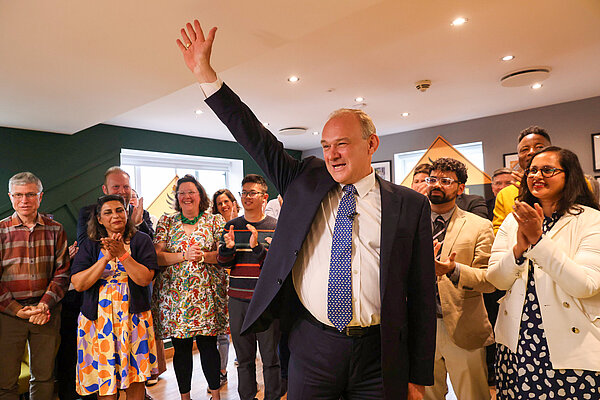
(116, 181)
(386, 350)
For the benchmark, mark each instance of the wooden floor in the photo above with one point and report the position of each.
(166, 388)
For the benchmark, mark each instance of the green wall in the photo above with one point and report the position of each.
(72, 167)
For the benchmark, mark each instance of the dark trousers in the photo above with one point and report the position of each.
(183, 362)
(327, 365)
(245, 350)
(43, 340)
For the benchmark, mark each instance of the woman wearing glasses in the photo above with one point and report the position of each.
(547, 256)
(191, 291)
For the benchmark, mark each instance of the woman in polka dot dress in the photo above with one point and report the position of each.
(547, 256)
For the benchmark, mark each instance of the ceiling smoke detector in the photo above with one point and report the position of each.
(423, 85)
(525, 76)
(292, 131)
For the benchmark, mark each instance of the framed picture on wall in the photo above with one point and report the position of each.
(510, 160)
(383, 169)
(596, 150)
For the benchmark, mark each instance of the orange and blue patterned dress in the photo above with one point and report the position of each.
(118, 348)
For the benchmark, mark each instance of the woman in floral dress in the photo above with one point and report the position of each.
(191, 292)
(115, 335)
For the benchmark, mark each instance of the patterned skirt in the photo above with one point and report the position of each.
(528, 374)
(118, 348)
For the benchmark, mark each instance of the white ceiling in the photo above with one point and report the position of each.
(67, 65)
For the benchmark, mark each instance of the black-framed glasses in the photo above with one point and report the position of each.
(252, 194)
(547, 172)
(432, 180)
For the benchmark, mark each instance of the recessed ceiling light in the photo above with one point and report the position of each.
(198, 112)
(508, 58)
(315, 133)
(405, 114)
(536, 85)
(359, 99)
(459, 21)
(293, 79)
(266, 124)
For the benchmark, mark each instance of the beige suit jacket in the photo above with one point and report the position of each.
(463, 310)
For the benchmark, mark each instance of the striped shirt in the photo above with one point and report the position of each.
(245, 262)
(34, 263)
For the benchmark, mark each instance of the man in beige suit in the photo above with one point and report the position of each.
(462, 246)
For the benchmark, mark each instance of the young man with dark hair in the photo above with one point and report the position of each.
(244, 248)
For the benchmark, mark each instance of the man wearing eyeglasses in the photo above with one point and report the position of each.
(462, 246)
(35, 274)
(529, 142)
(244, 248)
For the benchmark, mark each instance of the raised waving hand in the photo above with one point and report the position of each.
(196, 50)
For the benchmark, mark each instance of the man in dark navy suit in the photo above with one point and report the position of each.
(116, 181)
(350, 269)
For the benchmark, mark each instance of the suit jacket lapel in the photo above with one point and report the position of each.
(560, 224)
(457, 221)
(391, 205)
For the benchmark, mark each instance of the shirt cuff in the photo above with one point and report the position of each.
(454, 276)
(211, 88)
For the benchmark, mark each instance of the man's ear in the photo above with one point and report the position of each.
(373, 143)
(461, 189)
(104, 189)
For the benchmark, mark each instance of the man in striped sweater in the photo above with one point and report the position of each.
(34, 272)
(244, 248)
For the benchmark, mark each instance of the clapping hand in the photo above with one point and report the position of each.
(253, 235)
(194, 253)
(114, 245)
(137, 215)
(229, 238)
(530, 220)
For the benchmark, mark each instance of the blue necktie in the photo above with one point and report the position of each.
(339, 288)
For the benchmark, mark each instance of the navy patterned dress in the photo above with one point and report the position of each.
(528, 374)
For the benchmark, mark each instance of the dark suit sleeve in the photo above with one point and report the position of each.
(86, 256)
(142, 251)
(474, 204)
(146, 225)
(84, 216)
(249, 132)
(421, 303)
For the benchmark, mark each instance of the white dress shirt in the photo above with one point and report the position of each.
(311, 270)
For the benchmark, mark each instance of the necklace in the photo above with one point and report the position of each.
(191, 221)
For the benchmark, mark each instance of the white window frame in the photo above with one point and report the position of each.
(233, 169)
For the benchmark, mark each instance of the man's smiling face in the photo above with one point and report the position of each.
(347, 154)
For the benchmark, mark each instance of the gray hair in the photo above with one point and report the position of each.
(501, 171)
(366, 123)
(114, 170)
(24, 178)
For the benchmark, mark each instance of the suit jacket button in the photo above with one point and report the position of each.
(575, 330)
(296, 253)
(566, 305)
(279, 281)
(505, 312)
